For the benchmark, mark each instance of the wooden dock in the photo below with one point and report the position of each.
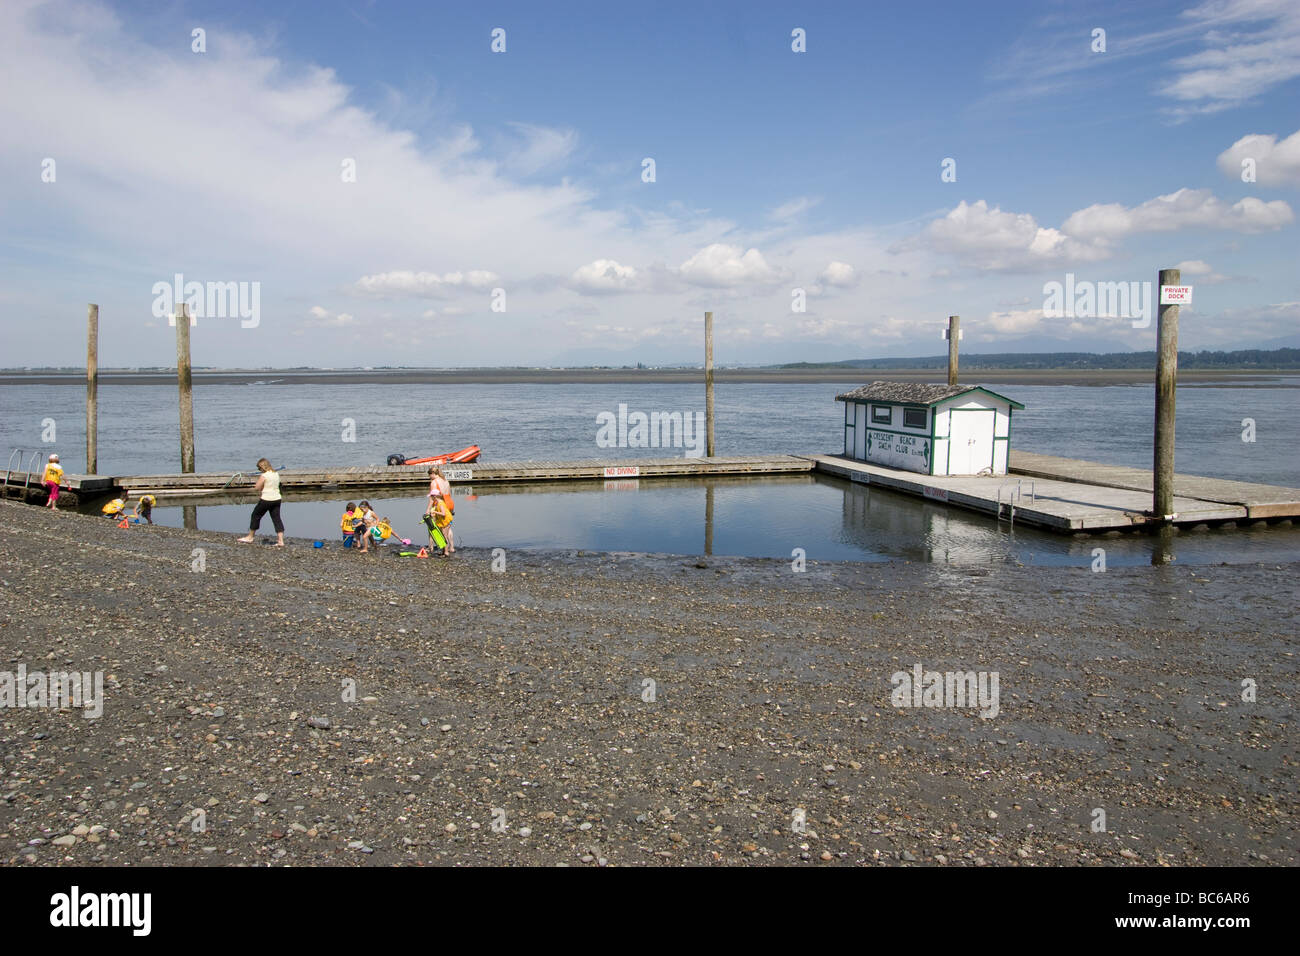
(1258, 501)
(1060, 494)
(384, 476)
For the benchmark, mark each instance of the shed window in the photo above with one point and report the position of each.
(916, 417)
(849, 409)
(881, 414)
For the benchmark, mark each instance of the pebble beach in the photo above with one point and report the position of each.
(304, 706)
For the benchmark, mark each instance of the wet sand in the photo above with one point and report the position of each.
(520, 698)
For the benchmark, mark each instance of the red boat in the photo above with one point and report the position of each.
(462, 457)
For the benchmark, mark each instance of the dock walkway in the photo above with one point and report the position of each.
(1047, 499)
(1259, 501)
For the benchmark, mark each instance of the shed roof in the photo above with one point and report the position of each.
(909, 393)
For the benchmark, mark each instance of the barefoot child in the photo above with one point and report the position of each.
(348, 524)
(437, 518)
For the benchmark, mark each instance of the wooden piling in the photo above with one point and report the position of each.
(1162, 499)
(92, 389)
(708, 383)
(184, 379)
(954, 335)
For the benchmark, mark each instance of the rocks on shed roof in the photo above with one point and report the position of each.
(908, 392)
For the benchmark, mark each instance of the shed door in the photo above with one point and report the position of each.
(970, 447)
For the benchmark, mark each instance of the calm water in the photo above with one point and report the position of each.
(300, 426)
(830, 519)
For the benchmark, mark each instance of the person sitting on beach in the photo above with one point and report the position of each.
(144, 507)
(53, 475)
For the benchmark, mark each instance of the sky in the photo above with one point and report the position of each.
(524, 184)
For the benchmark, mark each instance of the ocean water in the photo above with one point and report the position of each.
(307, 426)
(300, 426)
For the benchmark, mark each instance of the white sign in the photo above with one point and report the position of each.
(458, 474)
(623, 471)
(1175, 295)
(623, 485)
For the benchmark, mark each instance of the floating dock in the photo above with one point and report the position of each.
(1073, 496)
(1058, 494)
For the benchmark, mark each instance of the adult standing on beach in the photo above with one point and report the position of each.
(268, 489)
(440, 487)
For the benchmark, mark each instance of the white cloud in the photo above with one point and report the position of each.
(993, 239)
(425, 284)
(1184, 209)
(1276, 164)
(1201, 271)
(322, 318)
(539, 148)
(1252, 46)
(723, 266)
(604, 276)
(841, 275)
(794, 208)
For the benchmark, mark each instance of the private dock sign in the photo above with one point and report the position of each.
(1175, 295)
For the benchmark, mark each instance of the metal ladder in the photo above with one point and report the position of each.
(1016, 493)
(32, 462)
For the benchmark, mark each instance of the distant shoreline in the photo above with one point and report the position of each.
(597, 376)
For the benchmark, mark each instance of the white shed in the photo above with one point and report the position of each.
(931, 429)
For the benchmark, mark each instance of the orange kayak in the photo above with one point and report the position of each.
(462, 457)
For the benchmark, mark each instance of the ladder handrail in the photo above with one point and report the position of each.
(31, 463)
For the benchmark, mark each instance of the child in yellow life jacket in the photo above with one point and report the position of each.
(353, 525)
(53, 475)
(114, 507)
(438, 517)
(144, 507)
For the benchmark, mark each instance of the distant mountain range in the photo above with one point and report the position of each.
(1286, 358)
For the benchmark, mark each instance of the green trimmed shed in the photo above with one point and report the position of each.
(931, 429)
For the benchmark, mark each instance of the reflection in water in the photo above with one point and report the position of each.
(830, 518)
(1162, 545)
(708, 519)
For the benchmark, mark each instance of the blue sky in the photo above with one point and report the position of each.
(499, 214)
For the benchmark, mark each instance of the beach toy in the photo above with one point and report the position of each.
(124, 523)
(424, 553)
(318, 544)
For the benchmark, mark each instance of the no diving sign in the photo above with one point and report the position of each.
(1175, 295)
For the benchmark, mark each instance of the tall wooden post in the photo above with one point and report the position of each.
(708, 383)
(184, 379)
(954, 335)
(92, 389)
(1162, 504)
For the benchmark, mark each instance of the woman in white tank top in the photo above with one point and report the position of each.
(268, 490)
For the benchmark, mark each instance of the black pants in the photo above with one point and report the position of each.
(262, 508)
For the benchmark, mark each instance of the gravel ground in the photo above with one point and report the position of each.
(502, 717)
